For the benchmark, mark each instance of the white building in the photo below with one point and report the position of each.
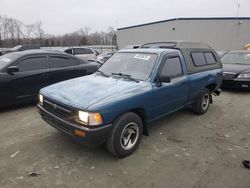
(230, 33)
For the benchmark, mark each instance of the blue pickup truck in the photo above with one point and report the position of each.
(132, 89)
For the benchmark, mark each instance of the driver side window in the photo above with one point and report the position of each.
(32, 64)
(172, 67)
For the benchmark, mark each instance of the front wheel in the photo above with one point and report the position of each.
(202, 103)
(126, 135)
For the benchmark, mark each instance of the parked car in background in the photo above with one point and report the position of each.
(132, 46)
(23, 74)
(97, 52)
(19, 48)
(83, 53)
(130, 90)
(236, 69)
(220, 53)
(105, 56)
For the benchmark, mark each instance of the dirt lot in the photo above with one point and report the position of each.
(183, 150)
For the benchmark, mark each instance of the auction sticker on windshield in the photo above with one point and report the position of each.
(142, 57)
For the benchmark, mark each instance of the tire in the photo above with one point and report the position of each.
(128, 125)
(202, 103)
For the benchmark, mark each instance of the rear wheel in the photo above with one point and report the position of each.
(126, 135)
(202, 103)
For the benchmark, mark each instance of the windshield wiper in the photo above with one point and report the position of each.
(125, 76)
(102, 73)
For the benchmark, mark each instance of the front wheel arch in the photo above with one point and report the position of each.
(114, 142)
(141, 113)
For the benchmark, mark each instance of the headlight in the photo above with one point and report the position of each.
(89, 118)
(244, 75)
(40, 99)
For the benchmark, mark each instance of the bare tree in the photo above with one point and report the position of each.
(39, 31)
(13, 32)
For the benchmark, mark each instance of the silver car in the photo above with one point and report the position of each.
(83, 53)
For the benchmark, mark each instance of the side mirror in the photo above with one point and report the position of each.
(96, 61)
(164, 79)
(12, 69)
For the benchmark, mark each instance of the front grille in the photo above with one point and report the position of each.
(59, 110)
(229, 76)
(58, 125)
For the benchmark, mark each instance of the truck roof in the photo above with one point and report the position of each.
(149, 50)
(175, 44)
(188, 48)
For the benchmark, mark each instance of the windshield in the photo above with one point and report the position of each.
(137, 65)
(7, 59)
(237, 58)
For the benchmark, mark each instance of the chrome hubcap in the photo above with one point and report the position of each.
(129, 136)
(205, 101)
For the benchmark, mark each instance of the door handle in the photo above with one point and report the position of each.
(45, 74)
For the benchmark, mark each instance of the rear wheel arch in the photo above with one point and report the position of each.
(201, 105)
(211, 87)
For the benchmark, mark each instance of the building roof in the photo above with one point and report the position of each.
(176, 19)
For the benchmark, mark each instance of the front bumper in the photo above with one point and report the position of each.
(93, 136)
(237, 84)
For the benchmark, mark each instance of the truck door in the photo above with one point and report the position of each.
(171, 96)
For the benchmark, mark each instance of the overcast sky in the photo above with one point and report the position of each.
(62, 16)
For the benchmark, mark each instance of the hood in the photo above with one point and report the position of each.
(85, 91)
(236, 68)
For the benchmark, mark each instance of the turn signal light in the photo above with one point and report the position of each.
(79, 133)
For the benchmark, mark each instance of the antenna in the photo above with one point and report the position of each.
(116, 23)
(238, 10)
(237, 19)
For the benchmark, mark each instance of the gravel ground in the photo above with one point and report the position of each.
(183, 150)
